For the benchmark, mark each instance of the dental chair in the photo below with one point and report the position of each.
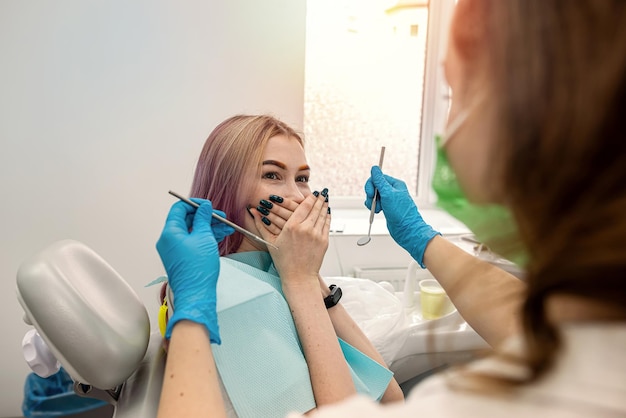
(86, 318)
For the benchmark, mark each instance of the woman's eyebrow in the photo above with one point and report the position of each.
(284, 166)
(274, 162)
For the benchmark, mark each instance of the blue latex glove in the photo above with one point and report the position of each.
(404, 221)
(191, 260)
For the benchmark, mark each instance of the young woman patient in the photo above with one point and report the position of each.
(286, 344)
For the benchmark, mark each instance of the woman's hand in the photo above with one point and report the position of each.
(277, 211)
(302, 239)
(301, 234)
(280, 210)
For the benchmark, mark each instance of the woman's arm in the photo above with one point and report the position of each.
(191, 259)
(190, 383)
(344, 326)
(486, 296)
(349, 331)
(302, 243)
(330, 375)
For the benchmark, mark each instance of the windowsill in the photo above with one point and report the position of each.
(351, 217)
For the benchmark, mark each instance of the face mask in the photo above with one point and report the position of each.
(492, 225)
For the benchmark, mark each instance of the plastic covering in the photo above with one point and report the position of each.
(378, 312)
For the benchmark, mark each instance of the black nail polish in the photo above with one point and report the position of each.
(248, 209)
(263, 210)
(324, 192)
(266, 204)
(329, 210)
(266, 221)
(316, 193)
(276, 199)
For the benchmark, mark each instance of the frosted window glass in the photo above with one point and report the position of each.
(364, 76)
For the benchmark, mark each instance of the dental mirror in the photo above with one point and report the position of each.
(365, 240)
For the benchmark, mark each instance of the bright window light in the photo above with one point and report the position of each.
(364, 88)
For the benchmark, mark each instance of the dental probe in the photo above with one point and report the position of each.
(364, 240)
(226, 221)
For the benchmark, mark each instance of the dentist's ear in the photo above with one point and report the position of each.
(468, 27)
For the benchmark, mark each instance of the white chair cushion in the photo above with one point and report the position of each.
(91, 319)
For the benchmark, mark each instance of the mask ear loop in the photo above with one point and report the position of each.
(455, 124)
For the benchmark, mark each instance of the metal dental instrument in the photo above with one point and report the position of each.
(364, 240)
(226, 221)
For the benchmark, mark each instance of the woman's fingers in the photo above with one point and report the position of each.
(321, 209)
(277, 212)
(307, 220)
(284, 208)
(303, 210)
(313, 209)
(265, 224)
(303, 240)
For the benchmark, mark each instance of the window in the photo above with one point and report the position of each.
(372, 74)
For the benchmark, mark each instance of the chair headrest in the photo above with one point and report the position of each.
(91, 319)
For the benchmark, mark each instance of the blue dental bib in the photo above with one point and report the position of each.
(260, 360)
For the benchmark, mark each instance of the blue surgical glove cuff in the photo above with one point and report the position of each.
(198, 314)
(423, 236)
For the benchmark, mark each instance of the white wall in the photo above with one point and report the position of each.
(104, 107)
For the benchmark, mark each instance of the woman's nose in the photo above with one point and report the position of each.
(295, 193)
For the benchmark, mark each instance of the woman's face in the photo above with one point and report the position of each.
(284, 173)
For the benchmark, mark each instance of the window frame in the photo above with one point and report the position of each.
(435, 105)
(436, 100)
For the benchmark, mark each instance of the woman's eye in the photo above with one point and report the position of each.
(270, 176)
(302, 179)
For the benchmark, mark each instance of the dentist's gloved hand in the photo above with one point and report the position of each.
(188, 250)
(404, 221)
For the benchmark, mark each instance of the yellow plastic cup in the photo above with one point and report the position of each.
(433, 299)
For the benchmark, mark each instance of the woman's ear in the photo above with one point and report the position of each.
(468, 28)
